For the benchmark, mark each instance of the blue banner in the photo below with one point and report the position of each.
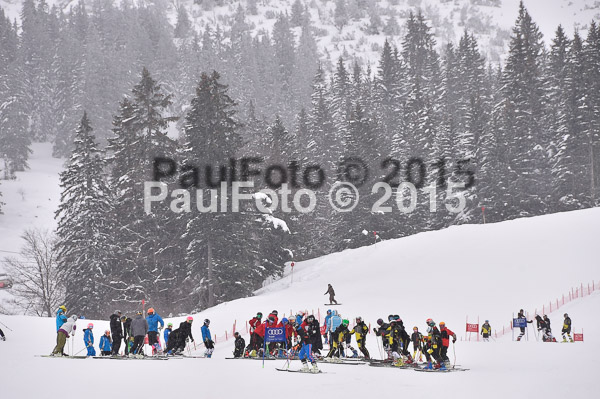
(520, 323)
(276, 334)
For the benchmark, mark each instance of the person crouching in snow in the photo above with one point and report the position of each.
(306, 349)
(240, 344)
(67, 328)
(88, 340)
(105, 344)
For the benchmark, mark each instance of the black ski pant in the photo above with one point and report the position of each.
(116, 344)
(361, 345)
(138, 344)
(126, 342)
(105, 353)
(444, 353)
(153, 338)
(173, 341)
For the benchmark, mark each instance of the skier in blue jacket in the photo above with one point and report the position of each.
(208, 342)
(105, 344)
(88, 340)
(153, 319)
(167, 332)
(60, 317)
(326, 323)
(333, 323)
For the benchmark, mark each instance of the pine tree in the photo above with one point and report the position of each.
(85, 246)
(523, 141)
(592, 109)
(183, 25)
(148, 256)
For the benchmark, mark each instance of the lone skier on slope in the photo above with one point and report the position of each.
(486, 331)
(331, 293)
(208, 342)
(567, 328)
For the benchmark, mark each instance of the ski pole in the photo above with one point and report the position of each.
(5, 326)
(454, 350)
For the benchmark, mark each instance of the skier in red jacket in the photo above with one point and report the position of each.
(255, 339)
(446, 334)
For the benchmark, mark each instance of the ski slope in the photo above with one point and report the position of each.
(489, 271)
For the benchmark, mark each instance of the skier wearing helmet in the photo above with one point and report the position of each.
(566, 328)
(179, 336)
(61, 317)
(256, 340)
(417, 340)
(521, 315)
(153, 320)
(167, 332)
(382, 332)
(306, 352)
(486, 331)
(88, 340)
(105, 344)
(338, 338)
(446, 333)
(312, 326)
(360, 332)
(206, 338)
(435, 345)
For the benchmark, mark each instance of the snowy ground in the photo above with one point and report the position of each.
(445, 275)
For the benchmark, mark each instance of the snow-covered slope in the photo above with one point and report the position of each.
(487, 270)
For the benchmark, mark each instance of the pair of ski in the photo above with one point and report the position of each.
(300, 371)
(106, 357)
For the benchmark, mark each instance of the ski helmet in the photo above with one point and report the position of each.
(123, 318)
(430, 322)
(74, 317)
(189, 319)
(117, 312)
(345, 322)
(415, 328)
(91, 325)
(271, 319)
(206, 321)
(487, 321)
(566, 315)
(442, 324)
(358, 319)
(284, 320)
(63, 308)
(139, 312)
(259, 315)
(328, 311)
(379, 321)
(236, 334)
(169, 325)
(274, 312)
(396, 317)
(391, 317)
(151, 311)
(310, 318)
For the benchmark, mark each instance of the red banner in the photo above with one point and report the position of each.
(578, 337)
(472, 327)
(323, 329)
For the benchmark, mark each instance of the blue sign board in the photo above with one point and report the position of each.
(522, 323)
(276, 334)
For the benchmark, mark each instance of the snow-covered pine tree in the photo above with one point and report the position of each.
(149, 257)
(85, 239)
(591, 117)
(524, 142)
(183, 25)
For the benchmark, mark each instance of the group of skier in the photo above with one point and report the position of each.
(133, 333)
(304, 337)
(543, 325)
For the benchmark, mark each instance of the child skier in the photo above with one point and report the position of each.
(360, 331)
(240, 343)
(153, 320)
(208, 342)
(417, 340)
(435, 339)
(105, 344)
(306, 350)
(446, 334)
(67, 328)
(167, 332)
(486, 331)
(567, 328)
(338, 337)
(88, 340)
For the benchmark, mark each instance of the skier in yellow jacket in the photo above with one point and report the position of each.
(360, 331)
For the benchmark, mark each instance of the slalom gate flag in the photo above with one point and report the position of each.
(578, 337)
(276, 334)
(323, 329)
(472, 327)
(520, 323)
